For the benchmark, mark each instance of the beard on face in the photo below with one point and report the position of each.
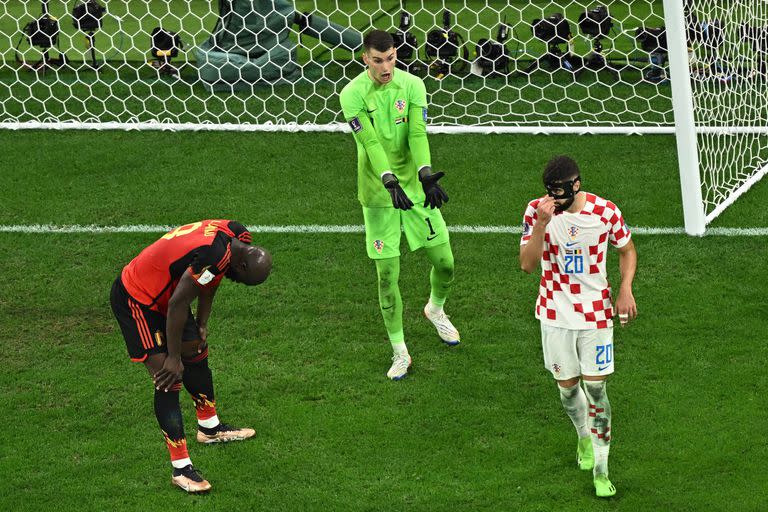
(565, 205)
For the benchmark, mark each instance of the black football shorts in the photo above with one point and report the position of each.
(144, 328)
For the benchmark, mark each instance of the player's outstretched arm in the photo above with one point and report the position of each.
(355, 112)
(625, 305)
(417, 125)
(434, 195)
(178, 309)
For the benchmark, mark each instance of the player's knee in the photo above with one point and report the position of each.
(194, 352)
(570, 391)
(154, 363)
(197, 361)
(595, 389)
(444, 267)
(387, 281)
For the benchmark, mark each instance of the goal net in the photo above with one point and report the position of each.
(254, 64)
(728, 64)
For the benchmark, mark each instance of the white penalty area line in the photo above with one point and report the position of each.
(339, 229)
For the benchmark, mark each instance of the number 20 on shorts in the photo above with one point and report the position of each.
(604, 354)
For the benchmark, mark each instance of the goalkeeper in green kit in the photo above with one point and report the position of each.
(387, 111)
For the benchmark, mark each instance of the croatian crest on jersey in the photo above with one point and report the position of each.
(572, 232)
(378, 245)
(556, 369)
(400, 105)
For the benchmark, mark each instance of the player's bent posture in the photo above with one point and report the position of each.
(387, 111)
(151, 300)
(568, 231)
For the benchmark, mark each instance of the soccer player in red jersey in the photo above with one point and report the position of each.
(152, 298)
(568, 232)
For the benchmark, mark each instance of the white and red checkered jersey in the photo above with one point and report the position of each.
(574, 292)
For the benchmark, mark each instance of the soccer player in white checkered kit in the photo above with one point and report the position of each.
(568, 231)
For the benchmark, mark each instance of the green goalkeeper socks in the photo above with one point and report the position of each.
(441, 276)
(390, 302)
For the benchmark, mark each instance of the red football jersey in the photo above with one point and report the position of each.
(202, 248)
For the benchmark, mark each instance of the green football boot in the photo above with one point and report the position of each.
(585, 456)
(603, 487)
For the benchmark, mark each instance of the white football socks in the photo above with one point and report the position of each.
(434, 309)
(211, 422)
(399, 348)
(575, 404)
(600, 423)
(181, 463)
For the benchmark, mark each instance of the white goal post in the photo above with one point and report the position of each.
(695, 68)
(720, 49)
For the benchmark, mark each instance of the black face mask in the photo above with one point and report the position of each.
(568, 192)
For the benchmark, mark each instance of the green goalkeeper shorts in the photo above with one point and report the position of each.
(424, 227)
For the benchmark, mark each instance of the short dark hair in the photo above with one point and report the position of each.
(379, 40)
(560, 168)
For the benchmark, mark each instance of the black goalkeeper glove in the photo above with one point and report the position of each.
(399, 198)
(435, 195)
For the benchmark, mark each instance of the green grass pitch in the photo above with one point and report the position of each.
(303, 357)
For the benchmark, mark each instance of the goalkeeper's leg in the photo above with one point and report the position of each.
(441, 279)
(391, 304)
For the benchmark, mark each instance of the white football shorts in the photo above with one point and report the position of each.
(569, 353)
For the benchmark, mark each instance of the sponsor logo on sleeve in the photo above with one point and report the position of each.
(206, 277)
(355, 124)
(526, 229)
(424, 114)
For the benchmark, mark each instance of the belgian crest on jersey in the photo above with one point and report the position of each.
(400, 105)
(378, 245)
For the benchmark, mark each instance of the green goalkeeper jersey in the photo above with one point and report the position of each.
(389, 123)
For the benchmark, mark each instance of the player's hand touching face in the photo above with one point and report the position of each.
(545, 210)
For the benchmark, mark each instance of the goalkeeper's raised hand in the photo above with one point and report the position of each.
(399, 198)
(435, 195)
